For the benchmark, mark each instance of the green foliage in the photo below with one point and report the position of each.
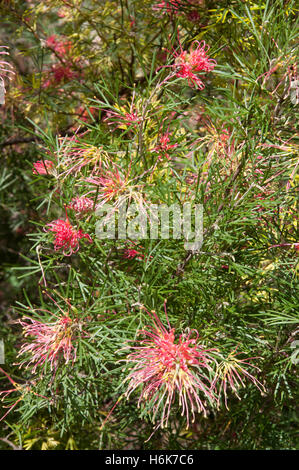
(95, 89)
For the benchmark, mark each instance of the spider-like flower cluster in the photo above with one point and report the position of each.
(166, 368)
(51, 341)
(66, 236)
(188, 64)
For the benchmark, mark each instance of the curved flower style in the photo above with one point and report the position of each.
(5, 71)
(166, 369)
(229, 373)
(187, 64)
(51, 342)
(66, 236)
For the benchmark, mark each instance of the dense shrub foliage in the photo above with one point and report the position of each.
(132, 343)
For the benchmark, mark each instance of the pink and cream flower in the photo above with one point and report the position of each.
(164, 368)
(188, 64)
(231, 373)
(51, 342)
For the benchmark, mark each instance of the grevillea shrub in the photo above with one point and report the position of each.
(117, 341)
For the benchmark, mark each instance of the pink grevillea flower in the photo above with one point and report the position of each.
(124, 117)
(163, 146)
(51, 342)
(131, 253)
(110, 185)
(81, 204)
(165, 369)
(66, 236)
(115, 187)
(186, 64)
(51, 41)
(60, 73)
(43, 167)
(61, 47)
(231, 373)
(63, 72)
(74, 156)
(123, 121)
